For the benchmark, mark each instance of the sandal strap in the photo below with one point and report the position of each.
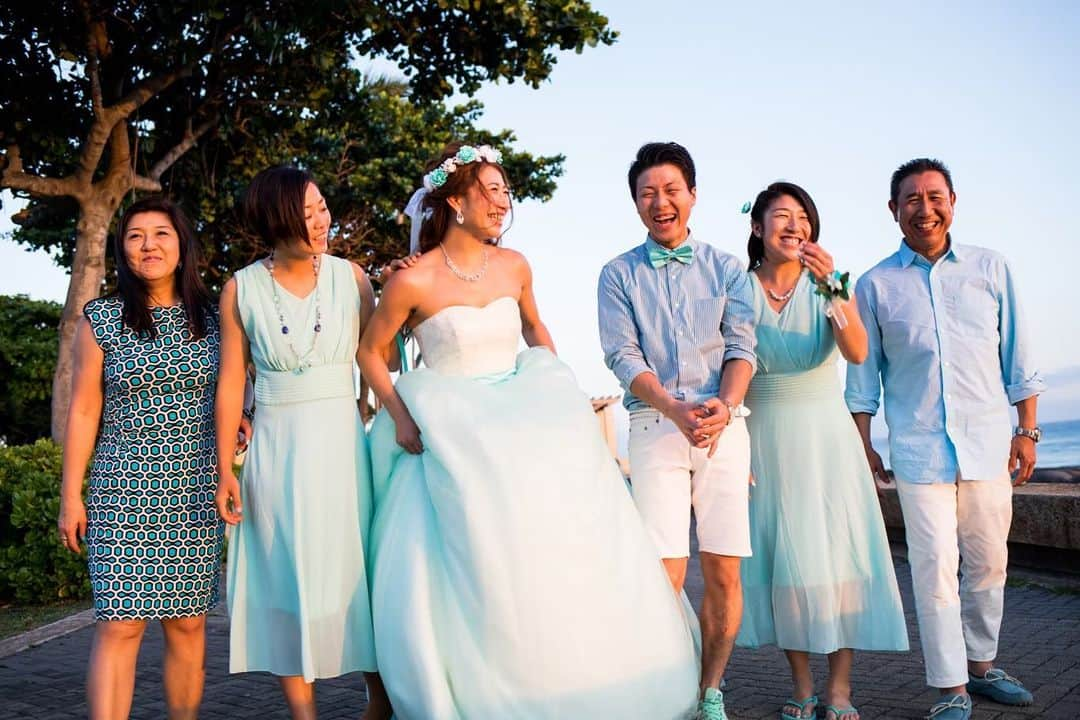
(841, 713)
(811, 701)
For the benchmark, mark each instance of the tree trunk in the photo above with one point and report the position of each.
(87, 273)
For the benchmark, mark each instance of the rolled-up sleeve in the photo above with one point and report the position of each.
(618, 330)
(737, 324)
(1018, 371)
(863, 391)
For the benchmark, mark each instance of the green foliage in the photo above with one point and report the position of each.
(34, 566)
(367, 163)
(28, 341)
(277, 83)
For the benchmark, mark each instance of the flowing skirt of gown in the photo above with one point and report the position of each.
(512, 578)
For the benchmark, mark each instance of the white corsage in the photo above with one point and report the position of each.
(836, 289)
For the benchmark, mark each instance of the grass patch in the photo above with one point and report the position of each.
(15, 619)
(1023, 583)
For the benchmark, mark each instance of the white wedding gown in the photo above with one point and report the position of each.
(512, 578)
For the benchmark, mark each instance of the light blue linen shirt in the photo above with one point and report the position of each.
(948, 341)
(681, 322)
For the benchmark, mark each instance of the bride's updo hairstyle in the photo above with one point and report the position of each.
(441, 185)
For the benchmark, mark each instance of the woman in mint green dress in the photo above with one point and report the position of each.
(821, 578)
(297, 577)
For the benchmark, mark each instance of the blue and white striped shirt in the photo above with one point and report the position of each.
(948, 342)
(681, 322)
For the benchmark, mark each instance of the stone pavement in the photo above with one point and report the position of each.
(1040, 644)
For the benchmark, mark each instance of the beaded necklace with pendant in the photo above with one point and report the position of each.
(302, 359)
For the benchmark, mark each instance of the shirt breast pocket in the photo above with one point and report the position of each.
(707, 316)
(973, 305)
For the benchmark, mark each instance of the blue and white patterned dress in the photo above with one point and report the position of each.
(153, 535)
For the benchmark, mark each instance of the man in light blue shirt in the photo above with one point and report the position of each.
(677, 328)
(947, 343)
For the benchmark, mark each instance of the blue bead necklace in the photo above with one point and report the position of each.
(315, 266)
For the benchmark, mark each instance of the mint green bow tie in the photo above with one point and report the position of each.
(659, 257)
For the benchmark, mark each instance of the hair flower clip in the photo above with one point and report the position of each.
(466, 154)
(746, 207)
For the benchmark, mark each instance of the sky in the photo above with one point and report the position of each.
(832, 96)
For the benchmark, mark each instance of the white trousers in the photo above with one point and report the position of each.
(961, 526)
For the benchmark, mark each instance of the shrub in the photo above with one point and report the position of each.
(28, 342)
(34, 566)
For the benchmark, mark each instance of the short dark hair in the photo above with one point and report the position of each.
(662, 153)
(916, 167)
(755, 246)
(198, 303)
(273, 208)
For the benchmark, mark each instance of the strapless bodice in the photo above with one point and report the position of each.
(468, 340)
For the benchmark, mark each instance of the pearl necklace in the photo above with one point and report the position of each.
(467, 277)
(786, 296)
(302, 359)
(781, 297)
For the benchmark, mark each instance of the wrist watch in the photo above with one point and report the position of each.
(735, 411)
(1034, 433)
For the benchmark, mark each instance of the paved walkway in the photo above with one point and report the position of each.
(1040, 644)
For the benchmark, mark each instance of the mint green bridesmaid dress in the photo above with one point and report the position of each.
(297, 572)
(821, 577)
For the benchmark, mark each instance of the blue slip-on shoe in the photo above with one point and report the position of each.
(711, 706)
(951, 707)
(1001, 687)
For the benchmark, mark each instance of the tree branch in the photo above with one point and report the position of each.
(103, 125)
(119, 150)
(151, 87)
(145, 184)
(190, 139)
(145, 91)
(15, 178)
(97, 46)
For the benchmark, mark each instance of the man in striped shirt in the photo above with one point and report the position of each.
(676, 325)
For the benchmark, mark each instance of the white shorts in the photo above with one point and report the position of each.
(668, 476)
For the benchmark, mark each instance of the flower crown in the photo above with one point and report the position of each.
(466, 154)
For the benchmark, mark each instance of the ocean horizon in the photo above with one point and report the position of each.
(1059, 447)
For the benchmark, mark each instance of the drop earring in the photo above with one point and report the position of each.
(460, 218)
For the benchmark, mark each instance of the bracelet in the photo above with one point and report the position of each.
(730, 411)
(249, 413)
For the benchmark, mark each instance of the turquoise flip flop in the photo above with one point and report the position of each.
(807, 708)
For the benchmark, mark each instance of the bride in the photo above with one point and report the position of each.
(512, 577)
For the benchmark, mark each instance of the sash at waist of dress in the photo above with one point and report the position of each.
(822, 381)
(320, 382)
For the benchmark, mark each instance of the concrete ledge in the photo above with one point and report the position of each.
(1045, 532)
(45, 633)
(1044, 514)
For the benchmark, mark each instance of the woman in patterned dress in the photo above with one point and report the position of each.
(142, 403)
